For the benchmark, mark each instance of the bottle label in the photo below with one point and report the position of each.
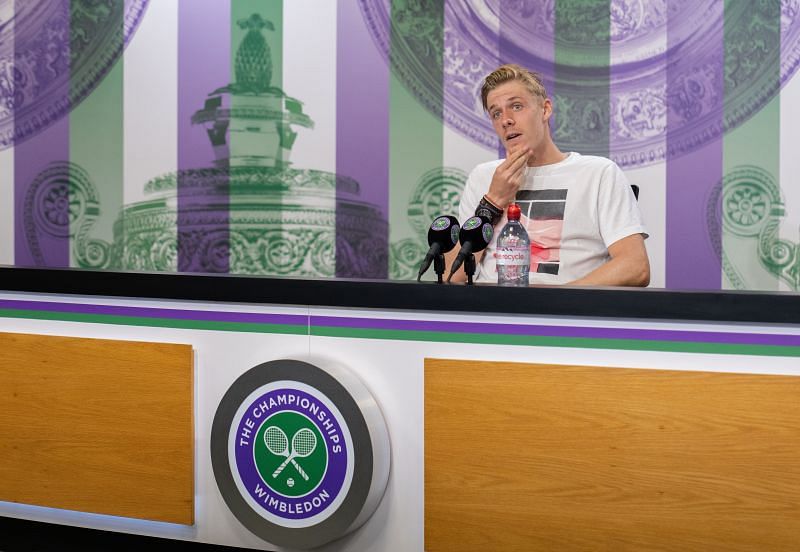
(513, 256)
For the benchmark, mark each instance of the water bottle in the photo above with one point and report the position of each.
(513, 251)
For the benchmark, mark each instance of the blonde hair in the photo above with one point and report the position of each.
(512, 72)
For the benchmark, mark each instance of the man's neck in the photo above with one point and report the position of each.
(549, 155)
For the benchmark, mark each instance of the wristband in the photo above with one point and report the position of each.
(488, 210)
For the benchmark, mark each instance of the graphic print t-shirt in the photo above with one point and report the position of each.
(543, 217)
(573, 210)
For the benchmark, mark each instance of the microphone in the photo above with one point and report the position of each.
(442, 237)
(474, 236)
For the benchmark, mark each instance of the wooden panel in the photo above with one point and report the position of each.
(97, 426)
(530, 457)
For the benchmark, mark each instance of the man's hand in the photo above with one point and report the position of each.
(629, 265)
(508, 177)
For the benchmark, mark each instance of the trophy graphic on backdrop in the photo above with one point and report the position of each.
(250, 212)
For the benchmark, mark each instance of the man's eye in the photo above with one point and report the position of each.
(496, 115)
(516, 107)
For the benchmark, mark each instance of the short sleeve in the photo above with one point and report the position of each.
(617, 208)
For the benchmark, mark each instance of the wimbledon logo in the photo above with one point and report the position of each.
(304, 443)
(473, 222)
(291, 454)
(297, 466)
(440, 223)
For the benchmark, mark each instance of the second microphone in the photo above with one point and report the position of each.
(476, 233)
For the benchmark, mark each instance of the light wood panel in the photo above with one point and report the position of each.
(97, 426)
(531, 457)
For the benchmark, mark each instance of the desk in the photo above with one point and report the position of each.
(386, 333)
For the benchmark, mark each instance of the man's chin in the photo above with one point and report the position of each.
(514, 145)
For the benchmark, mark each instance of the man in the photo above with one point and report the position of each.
(582, 217)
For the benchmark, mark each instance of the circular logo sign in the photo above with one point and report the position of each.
(440, 223)
(454, 232)
(487, 232)
(291, 454)
(473, 222)
(295, 464)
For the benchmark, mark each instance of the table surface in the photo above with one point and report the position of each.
(595, 302)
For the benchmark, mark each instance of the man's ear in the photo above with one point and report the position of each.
(547, 105)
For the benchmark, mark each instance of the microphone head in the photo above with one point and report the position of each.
(478, 231)
(444, 230)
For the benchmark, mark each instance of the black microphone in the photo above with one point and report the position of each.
(442, 237)
(475, 235)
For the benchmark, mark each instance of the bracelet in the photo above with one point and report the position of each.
(488, 210)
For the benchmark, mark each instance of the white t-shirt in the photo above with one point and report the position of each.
(573, 210)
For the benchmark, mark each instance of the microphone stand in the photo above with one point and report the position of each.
(438, 267)
(469, 267)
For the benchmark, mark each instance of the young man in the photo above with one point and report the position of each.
(582, 218)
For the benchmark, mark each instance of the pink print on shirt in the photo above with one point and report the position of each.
(543, 217)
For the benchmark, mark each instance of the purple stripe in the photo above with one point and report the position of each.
(204, 65)
(408, 325)
(543, 62)
(145, 312)
(362, 137)
(556, 331)
(41, 228)
(691, 175)
(515, 47)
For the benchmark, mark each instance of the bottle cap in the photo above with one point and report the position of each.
(513, 212)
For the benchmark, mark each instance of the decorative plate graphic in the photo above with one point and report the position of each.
(747, 204)
(53, 53)
(636, 119)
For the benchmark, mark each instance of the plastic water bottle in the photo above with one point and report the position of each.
(513, 254)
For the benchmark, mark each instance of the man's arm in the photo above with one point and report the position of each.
(628, 266)
(506, 180)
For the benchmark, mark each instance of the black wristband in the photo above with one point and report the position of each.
(488, 210)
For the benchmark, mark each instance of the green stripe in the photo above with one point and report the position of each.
(752, 45)
(156, 322)
(544, 341)
(581, 96)
(411, 335)
(96, 138)
(415, 130)
(249, 139)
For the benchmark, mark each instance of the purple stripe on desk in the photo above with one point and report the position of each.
(146, 312)
(557, 331)
(431, 326)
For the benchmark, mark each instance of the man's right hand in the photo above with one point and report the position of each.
(508, 177)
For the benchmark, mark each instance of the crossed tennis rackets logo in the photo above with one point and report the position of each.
(303, 444)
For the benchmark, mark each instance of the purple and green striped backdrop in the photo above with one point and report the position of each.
(685, 95)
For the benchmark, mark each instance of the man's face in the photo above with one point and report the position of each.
(519, 118)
